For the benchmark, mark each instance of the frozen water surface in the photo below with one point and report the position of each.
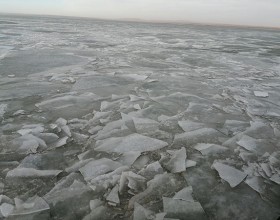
(122, 120)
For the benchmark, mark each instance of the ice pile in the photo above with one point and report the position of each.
(109, 160)
(167, 124)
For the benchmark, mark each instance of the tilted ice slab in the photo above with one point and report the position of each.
(64, 183)
(72, 194)
(21, 172)
(235, 126)
(190, 163)
(33, 208)
(113, 196)
(27, 129)
(28, 142)
(141, 213)
(190, 125)
(76, 166)
(140, 125)
(151, 170)
(248, 143)
(183, 206)
(177, 163)
(133, 142)
(47, 137)
(59, 143)
(129, 158)
(184, 210)
(259, 130)
(276, 178)
(256, 183)
(184, 194)
(144, 125)
(210, 149)
(67, 101)
(229, 174)
(98, 167)
(109, 128)
(200, 135)
(109, 179)
(163, 183)
(132, 180)
(100, 212)
(105, 105)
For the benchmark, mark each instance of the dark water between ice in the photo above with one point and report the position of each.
(122, 120)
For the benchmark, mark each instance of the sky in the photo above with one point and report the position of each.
(239, 12)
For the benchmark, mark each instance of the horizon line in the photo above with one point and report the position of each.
(156, 21)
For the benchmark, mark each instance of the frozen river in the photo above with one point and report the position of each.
(122, 120)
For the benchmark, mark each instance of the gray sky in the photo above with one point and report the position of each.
(244, 12)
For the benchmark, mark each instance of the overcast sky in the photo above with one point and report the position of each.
(244, 12)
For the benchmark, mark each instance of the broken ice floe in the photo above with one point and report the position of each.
(276, 178)
(134, 181)
(190, 163)
(167, 183)
(209, 135)
(76, 166)
(108, 180)
(95, 168)
(68, 197)
(95, 203)
(184, 210)
(30, 173)
(183, 206)
(67, 101)
(100, 212)
(256, 183)
(140, 213)
(34, 208)
(28, 144)
(48, 137)
(69, 105)
(190, 125)
(27, 129)
(177, 162)
(113, 197)
(185, 194)
(229, 174)
(128, 158)
(59, 143)
(143, 125)
(261, 94)
(151, 170)
(210, 149)
(248, 143)
(235, 126)
(133, 142)
(111, 153)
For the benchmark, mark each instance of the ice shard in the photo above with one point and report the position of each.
(233, 176)
(177, 162)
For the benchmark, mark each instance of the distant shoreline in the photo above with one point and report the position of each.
(134, 20)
